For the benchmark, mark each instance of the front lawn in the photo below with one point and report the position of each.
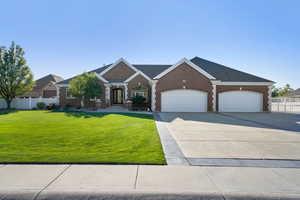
(78, 137)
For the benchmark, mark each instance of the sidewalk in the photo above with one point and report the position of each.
(147, 182)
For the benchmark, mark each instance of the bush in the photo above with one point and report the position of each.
(41, 105)
(52, 106)
(138, 99)
(67, 106)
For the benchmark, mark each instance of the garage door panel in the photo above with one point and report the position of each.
(184, 101)
(240, 101)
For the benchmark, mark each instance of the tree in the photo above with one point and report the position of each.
(15, 75)
(275, 91)
(285, 91)
(279, 92)
(85, 86)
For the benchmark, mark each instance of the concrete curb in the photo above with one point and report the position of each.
(231, 162)
(141, 195)
(137, 195)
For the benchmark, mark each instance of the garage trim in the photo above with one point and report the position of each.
(184, 100)
(240, 101)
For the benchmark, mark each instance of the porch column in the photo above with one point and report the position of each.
(153, 95)
(107, 93)
(125, 92)
(57, 91)
(57, 94)
(214, 100)
(270, 98)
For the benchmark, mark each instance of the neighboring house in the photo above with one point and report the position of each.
(195, 85)
(44, 87)
(295, 93)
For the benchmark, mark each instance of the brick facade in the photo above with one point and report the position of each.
(180, 77)
(75, 102)
(49, 93)
(183, 76)
(119, 73)
(140, 81)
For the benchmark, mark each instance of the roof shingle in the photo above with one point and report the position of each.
(226, 74)
(152, 70)
(42, 84)
(220, 72)
(98, 70)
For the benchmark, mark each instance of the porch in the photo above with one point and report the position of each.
(118, 95)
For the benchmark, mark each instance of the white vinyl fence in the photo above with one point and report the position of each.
(284, 104)
(28, 103)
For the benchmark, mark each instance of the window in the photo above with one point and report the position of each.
(68, 94)
(139, 93)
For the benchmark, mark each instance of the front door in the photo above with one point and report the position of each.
(117, 96)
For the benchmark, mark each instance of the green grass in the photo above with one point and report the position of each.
(78, 137)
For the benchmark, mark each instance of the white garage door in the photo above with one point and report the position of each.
(183, 101)
(240, 101)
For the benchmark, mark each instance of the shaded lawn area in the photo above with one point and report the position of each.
(78, 137)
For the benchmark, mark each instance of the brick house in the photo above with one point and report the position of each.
(195, 85)
(44, 87)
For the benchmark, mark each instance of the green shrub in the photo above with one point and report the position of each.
(67, 106)
(78, 107)
(41, 105)
(52, 106)
(138, 99)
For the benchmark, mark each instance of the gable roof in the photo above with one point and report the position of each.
(217, 71)
(98, 71)
(47, 79)
(42, 84)
(295, 92)
(184, 60)
(149, 70)
(226, 74)
(152, 70)
(121, 60)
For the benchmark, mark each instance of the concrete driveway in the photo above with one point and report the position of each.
(236, 135)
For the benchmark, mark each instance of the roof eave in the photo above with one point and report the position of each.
(250, 83)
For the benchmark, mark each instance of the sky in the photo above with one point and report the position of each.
(68, 37)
